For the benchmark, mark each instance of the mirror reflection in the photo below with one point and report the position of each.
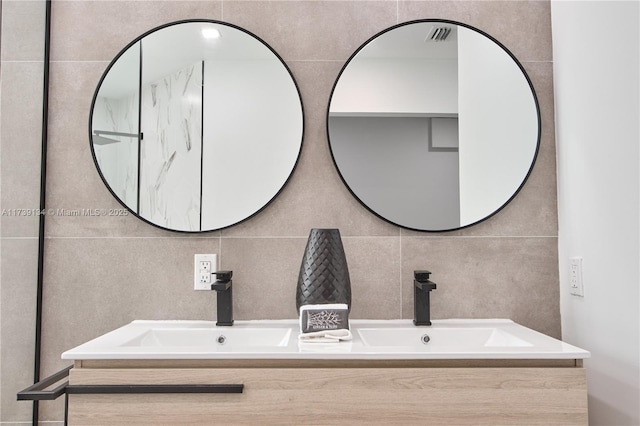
(196, 126)
(433, 125)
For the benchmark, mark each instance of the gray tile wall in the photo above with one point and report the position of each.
(21, 88)
(102, 272)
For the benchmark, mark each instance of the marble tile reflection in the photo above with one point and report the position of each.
(117, 156)
(170, 156)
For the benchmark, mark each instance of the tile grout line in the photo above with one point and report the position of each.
(196, 237)
(81, 61)
(18, 238)
(6, 61)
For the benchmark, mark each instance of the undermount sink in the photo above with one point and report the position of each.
(229, 337)
(445, 337)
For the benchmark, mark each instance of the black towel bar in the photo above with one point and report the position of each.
(37, 392)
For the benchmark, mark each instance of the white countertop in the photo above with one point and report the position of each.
(372, 340)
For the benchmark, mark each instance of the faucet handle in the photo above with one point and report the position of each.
(223, 276)
(223, 280)
(421, 276)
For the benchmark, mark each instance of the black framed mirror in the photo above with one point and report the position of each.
(196, 125)
(433, 125)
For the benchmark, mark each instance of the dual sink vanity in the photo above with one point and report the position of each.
(455, 372)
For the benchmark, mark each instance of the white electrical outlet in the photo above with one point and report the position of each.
(575, 276)
(203, 266)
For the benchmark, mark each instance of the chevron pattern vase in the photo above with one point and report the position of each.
(324, 276)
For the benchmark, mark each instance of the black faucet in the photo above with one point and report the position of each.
(421, 289)
(222, 286)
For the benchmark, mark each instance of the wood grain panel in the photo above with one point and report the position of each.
(460, 396)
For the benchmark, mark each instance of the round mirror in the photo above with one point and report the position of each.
(196, 125)
(433, 125)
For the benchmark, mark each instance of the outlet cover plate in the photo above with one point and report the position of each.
(203, 266)
(575, 276)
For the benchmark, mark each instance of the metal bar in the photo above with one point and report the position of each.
(43, 395)
(66, 409)
(109, 133)
(43, 186)
(32, 394)
(36, 391)
(136, 389)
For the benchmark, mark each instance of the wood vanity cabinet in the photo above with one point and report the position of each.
(332, 392)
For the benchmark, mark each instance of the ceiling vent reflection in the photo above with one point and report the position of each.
(438, 34)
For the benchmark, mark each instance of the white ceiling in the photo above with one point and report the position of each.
(409, 42)
(175, 47)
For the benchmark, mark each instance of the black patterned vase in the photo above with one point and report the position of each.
(324, 276)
